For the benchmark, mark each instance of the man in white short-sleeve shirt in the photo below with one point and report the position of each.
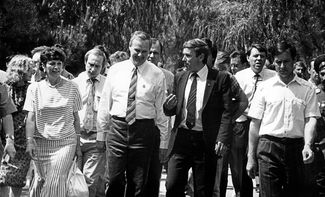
(283, 112)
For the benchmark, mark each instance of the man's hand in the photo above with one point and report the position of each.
(163, 155)
(100, 145)
(31, 148)
(307, 154)
(170, 102)
(220, 149)
(10, 148)
(251, 167)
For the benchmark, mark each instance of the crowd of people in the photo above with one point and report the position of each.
(126, 118)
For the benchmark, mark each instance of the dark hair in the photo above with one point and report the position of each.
(141, 35)
(52, 53)
(208, 41)
(283, 46)
(155, 40)
(259, 47)
(199, 46)
(239, 54)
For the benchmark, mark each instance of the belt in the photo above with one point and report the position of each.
(283, 140)
(137, 120)
(190, 132)
(119, 118)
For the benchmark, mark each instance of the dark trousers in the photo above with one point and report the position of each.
(129, 150)
(237, 159)
(281, 167)
(320, 177)
(155, 169)
(315, 175)
(190, 152)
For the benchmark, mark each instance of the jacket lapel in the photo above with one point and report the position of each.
(181, 91)
(208, 87)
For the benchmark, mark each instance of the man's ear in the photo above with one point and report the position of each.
(201, 57)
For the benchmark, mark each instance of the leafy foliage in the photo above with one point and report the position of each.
(230, 24)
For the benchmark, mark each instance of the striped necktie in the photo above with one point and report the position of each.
(130, 111)
(191, 103)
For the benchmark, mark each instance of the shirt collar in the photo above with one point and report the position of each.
(140, 68)
(295, 79)
(202, 73)
(261, 74)
(88, 78)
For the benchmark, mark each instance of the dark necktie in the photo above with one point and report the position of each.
(89, 116)
(191, 103)
(130, 112)
(257, 79)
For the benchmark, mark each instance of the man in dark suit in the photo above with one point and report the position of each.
(201, 134)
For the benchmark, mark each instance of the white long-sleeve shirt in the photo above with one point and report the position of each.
(150, 96)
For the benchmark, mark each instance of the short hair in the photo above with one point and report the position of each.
(284, 46)
(140, 35)
(155, 40)
(104, 49)
(118, 56)
(221, 61)
(38, 49)
(259, 47)
(96, 51)
(52, 53)
(17, 68)
(208, 41)
(199, 46)
(239, 54)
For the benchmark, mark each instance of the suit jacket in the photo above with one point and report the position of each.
(216, 113)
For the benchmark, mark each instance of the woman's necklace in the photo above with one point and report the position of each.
(55, 84)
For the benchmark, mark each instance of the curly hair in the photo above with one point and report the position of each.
(52, 53)
(17, 68)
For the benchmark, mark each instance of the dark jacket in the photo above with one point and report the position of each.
(216, 113)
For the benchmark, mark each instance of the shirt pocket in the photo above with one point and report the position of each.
(298, 108)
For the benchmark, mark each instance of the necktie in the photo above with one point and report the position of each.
(89, 116)
(130, 111)
(256, 76)
(191, 103)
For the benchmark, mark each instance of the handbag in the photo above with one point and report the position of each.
(77, 186)
(13, 171)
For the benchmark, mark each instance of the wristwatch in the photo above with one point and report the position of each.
(10, 137)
